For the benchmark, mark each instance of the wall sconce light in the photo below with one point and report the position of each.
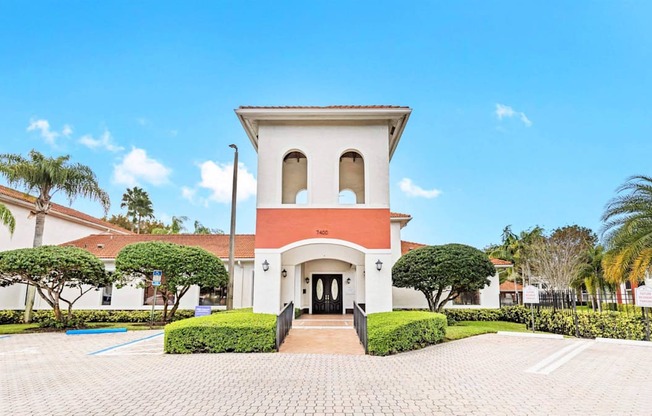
(284, 273)
(379, 265)
(265, 265)
(307, 280)
(348, 280)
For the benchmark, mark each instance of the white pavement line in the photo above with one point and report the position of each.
(530, 335)
(115, 347)
(563, 360)
(546, 361)
(322, 327)
(625, 342)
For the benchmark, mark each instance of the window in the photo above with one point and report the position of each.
(212, 296)
(295, 176)
(352, 176)
(468, 298)
(148, 296)
(107, 293)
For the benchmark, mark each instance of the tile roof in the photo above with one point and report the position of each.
(399, 215)
(409, 245)
(500, 262)
(509, 287)
(60, 209)
(108, 246)
(342, 107)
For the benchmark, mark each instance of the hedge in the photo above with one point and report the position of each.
(398, 331)
(606, 324)
(16, 316)
(232, 331)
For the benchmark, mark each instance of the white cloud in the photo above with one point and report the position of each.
(104, 141)
(525, 120)
(218, 178)
(43, 126)
(505, 111)
(67, 130)
(410, 189)
(137, 167)
(188, 193)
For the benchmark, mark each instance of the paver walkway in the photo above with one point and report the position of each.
(54, 374)
(323, 334)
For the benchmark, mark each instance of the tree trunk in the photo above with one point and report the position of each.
(31, 290)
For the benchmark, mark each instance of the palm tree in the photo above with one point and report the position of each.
(138, 205)
(591, 274)
(176, 225)
(46, 176)
(7, 219)
(627, 231)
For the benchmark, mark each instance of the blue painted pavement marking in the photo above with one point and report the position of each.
(94, 331)
(126, 343)
(4, 336)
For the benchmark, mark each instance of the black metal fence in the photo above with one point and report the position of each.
(284, 323)
(586, 307)
(360, 324)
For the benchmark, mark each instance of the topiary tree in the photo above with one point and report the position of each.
(182, 267)
(51, 269)
(442, 273)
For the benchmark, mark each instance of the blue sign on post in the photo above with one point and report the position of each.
(156, 277)
(202, 310)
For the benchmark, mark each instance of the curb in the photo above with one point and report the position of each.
(530, 335)
(625, 342)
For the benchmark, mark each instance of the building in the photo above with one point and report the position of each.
(325, 236)
(62, 224)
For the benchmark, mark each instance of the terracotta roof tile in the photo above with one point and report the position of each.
(509, 287)
(500, 262)
(343, 107)
(108, 246)
(409, 245)
(399, 215)
(57, 208)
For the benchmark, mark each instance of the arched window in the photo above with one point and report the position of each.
(352, 176)
(295, 176)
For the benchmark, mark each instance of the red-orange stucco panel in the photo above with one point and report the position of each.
(276, 227)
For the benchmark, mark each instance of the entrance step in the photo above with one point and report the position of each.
(322, 334)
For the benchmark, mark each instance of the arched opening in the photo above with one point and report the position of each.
(295, 177)
(352, 176)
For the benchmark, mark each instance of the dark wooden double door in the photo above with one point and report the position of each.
(326, 293)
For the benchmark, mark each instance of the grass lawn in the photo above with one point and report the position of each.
(464, 329)
(31, 328)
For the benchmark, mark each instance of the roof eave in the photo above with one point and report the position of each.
(249, 118)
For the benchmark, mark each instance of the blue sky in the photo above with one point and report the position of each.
(524, 113)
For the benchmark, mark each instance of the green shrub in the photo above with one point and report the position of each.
(297, 312)
(590, 324)
(134, 316)
(233, 331)
(398, 331)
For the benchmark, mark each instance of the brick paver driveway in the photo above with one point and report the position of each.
(491, 374)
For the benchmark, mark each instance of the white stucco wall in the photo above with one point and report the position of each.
(412, 299)
(131, 297)
(57, 230)
(323, 145)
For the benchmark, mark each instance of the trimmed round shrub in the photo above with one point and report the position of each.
(233, 331)
(398, 331)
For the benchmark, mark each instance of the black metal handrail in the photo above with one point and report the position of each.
(360, 324)
(284, 323)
